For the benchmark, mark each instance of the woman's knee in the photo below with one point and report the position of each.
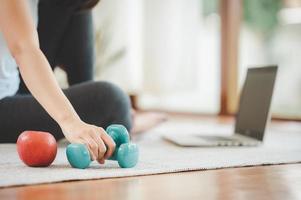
(117, 102)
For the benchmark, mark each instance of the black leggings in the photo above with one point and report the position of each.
(66, 37)
(98, 103)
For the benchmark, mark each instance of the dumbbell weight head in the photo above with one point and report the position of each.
(78, 155)
(120, 135)
(127, 155)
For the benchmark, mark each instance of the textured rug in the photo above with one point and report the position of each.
(159, 156)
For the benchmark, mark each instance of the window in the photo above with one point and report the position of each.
(271, 34)
(181, 62)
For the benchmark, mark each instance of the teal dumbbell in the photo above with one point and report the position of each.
(126, 152)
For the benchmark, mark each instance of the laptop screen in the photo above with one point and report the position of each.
(255, 102)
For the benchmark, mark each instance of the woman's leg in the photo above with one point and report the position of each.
(66, 38)
(76, 53)
(98, 103)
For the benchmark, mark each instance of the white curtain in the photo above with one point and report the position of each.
(118, 42)
(171, 29)
(165, 50)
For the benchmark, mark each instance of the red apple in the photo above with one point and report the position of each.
(36, 148)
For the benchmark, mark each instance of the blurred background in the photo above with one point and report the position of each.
(191, 56)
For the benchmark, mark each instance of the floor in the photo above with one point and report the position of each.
(261, 182)
(264, 182)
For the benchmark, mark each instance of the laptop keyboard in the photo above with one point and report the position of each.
(225, 141)
(214, 138)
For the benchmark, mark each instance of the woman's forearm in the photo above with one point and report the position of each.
(39, 79)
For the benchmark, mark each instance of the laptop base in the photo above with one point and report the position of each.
(211, 141)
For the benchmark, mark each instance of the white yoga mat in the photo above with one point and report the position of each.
(159, 156)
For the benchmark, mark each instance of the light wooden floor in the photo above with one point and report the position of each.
(281, 182)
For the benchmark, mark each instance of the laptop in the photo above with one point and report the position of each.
(252, 116)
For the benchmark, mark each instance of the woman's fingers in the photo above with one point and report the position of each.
(109, 143)
(86, 142)
(100, 144)
(94, 148)
(92, 143)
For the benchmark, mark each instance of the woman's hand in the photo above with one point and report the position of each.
(101, 146)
